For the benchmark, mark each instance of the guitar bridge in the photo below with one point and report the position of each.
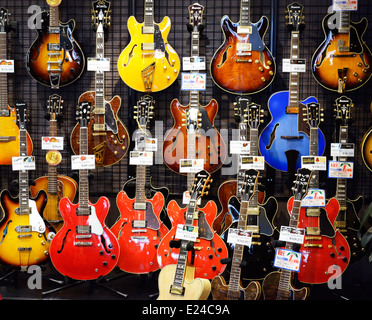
(177, 290)
(148, 76)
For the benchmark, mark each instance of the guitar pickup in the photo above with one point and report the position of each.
(139, 206)
(139, 224)
(83, 229)
(148, 46)
(291, 137)
(313, 231)
(54, 47)
(5, 113)
(54, 30)
(244, 30)
(177, 290)
(83, 243)
(244, 47)
(83, 211)
(99, 127)
(24, 249)
(20, 229)
(148, 30)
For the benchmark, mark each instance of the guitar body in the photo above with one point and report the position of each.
(270, 287)
(195, 289)
(101, 251)
(9, 138)
(328, 58)
(322, 252)
(220, 290)
(21, 246)
(282, 142)
(71, 55)
(259, 257)
(110, 145)
(210, 146)
(138, 249)
(209, 248)
(225, 191)
(366, 149)
(163, 58)
(236, 73)
(66, 187)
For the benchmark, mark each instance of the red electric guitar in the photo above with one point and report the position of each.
(325, 250)
(139, 229)
(84, 249)
(208, 249)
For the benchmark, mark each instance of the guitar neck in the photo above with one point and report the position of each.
(245, 19)
(314, 182)
(243, 136)
(23, 175)
(3, 76)
(149, 13)
(341, 188)
(294, 77)
(83, 175)
(54, 17)
(52, 170)
(99, 107)
(344, 22)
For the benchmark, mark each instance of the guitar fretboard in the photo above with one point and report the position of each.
(52, 170)
(341, 189)
(54, 17)
(294, 77)
(245, 13)
(243, 136)
(99, 107)
(314, 182)
(3, 76)
(149, 13)
(23, 175)
(83, 175)
(344, 22)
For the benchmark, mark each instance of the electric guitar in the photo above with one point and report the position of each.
(9, 131)
(249, 115)
(25, 236)
(347, 221)
(85, 248)
(277, 285)
(325, 248)
(148, 63)
(56, 185)
(54, 59)
(286, 138)
(342, 62)
(180, 281)
(139, 229)
(108, 138)
(234, 290)
(193, 135)
(243, 64)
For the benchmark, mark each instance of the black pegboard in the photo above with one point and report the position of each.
(109, 180)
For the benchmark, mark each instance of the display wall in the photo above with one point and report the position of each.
(109, 180)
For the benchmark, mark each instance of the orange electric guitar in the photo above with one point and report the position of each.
(57, 186)
(9, 131)
(25, 235)
(55, 59)
(193, 135)
(243, 64)
(139, 229)
(108, 138)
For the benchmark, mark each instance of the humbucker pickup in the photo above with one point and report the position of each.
(54, 47)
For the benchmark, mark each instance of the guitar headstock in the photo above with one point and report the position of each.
(143, 112)
(201, 185)
(301, 183)
(83, 113)
(4, 19)
(250, 184)
(254, 115)
(101, 14)
(295, 19)
(54, 3)
(314, 114)
(196, 17)
(241, 106)
(22, 114)
(343, 109)
(54, 109)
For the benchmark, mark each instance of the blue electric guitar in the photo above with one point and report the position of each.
(286, 138)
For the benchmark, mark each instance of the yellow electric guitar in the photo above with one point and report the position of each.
(148, 63)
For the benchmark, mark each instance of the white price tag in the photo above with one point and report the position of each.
(252, 162)
(239, 236)
(6, 66)
(141, 158)
(314, 163)
(194, 81)
(52, 143)
(240, 147)
(340, 169)
(23, 163)
(287, 259)
(342, 149)
(345, 5)
(294, 65)
(189, 233)
(291, 234)
(191, 165)
(194, 63)
(98, 64)
(81, 162)
(314, 198)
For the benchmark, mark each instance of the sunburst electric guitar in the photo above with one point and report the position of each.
(149, 63)
(85, 248)
(139, 229)
(108, 138)
(25, 235)
(9, 131)
(56, 185)
(55, 59)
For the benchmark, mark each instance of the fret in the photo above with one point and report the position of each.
(3, 76)
(149, 13)
(245, 13)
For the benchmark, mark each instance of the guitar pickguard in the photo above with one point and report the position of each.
(110, 119)
(35, 220)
